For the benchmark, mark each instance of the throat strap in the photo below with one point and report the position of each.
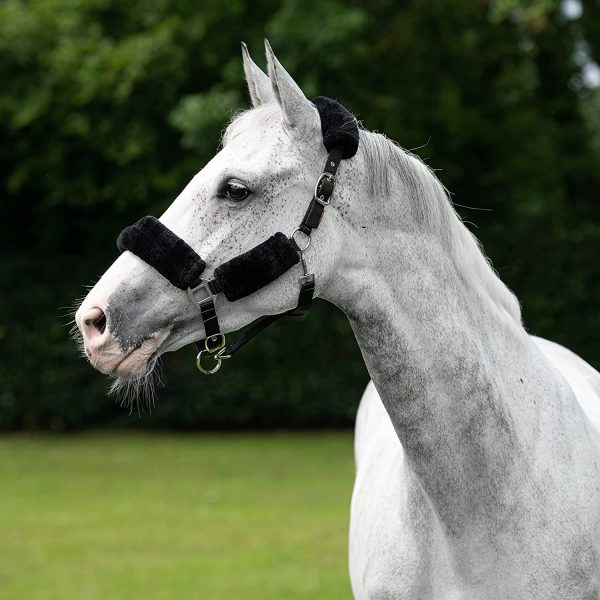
(305, 298)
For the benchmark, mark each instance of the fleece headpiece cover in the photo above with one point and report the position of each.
(338, 126)
(243, 275)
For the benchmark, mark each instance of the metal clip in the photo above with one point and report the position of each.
(303, 262)
(215, 352)
(306, 277)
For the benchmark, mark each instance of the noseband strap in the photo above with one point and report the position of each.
(249, 272)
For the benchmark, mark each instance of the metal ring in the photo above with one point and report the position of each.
(214, 338)
(215, 357)
(300, 248)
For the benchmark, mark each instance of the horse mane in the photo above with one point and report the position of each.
(432, 207)
(429, 200)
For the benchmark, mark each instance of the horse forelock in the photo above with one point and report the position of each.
(257, 119)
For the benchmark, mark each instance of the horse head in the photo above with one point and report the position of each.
(257, 184)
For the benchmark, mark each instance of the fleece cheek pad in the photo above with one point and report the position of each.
(157, 245)
(253, 270)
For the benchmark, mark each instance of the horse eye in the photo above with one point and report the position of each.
(236, 191)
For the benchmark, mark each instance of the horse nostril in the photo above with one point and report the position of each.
(94, 323)
(100, 323)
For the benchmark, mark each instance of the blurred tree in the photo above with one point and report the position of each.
(108, 108)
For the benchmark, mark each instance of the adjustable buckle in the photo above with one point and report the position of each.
(321, 198)
(203, 285)
(307, 288)
(214, 342)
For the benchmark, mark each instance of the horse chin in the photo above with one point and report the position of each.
(135, 378)
(139, 362)
(134, 373)
(136, 365)
(132, 363)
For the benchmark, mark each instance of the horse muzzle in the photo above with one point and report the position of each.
(106, 352)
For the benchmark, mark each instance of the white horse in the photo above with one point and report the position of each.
(477, 445)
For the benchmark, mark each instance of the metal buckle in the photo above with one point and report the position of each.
(321, 199)
(213, 338)
(203, 285)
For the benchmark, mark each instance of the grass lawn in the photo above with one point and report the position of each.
(175, 516)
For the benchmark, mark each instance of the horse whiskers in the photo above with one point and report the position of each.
(76, 336)
(138, 393)
(70, 310)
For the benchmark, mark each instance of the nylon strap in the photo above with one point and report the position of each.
(324, 189)
(305, 298)
(208, 312)
(311, 220)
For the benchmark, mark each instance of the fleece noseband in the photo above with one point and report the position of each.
(247, 273)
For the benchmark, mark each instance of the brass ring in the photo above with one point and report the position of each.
(199, 366)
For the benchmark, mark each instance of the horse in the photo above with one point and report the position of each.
(477, 445)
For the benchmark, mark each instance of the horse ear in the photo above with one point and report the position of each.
(298, 112)
(259, 85)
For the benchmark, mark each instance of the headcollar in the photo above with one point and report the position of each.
(245, 274)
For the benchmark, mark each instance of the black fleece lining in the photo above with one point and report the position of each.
(251, 271)
(157, 245)
(338, 125)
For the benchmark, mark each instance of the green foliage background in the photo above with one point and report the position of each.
(108, 108)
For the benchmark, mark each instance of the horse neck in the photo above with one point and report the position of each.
(443, 343)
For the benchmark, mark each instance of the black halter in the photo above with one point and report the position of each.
(245, 274)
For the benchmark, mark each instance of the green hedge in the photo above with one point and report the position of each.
(108, 108)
